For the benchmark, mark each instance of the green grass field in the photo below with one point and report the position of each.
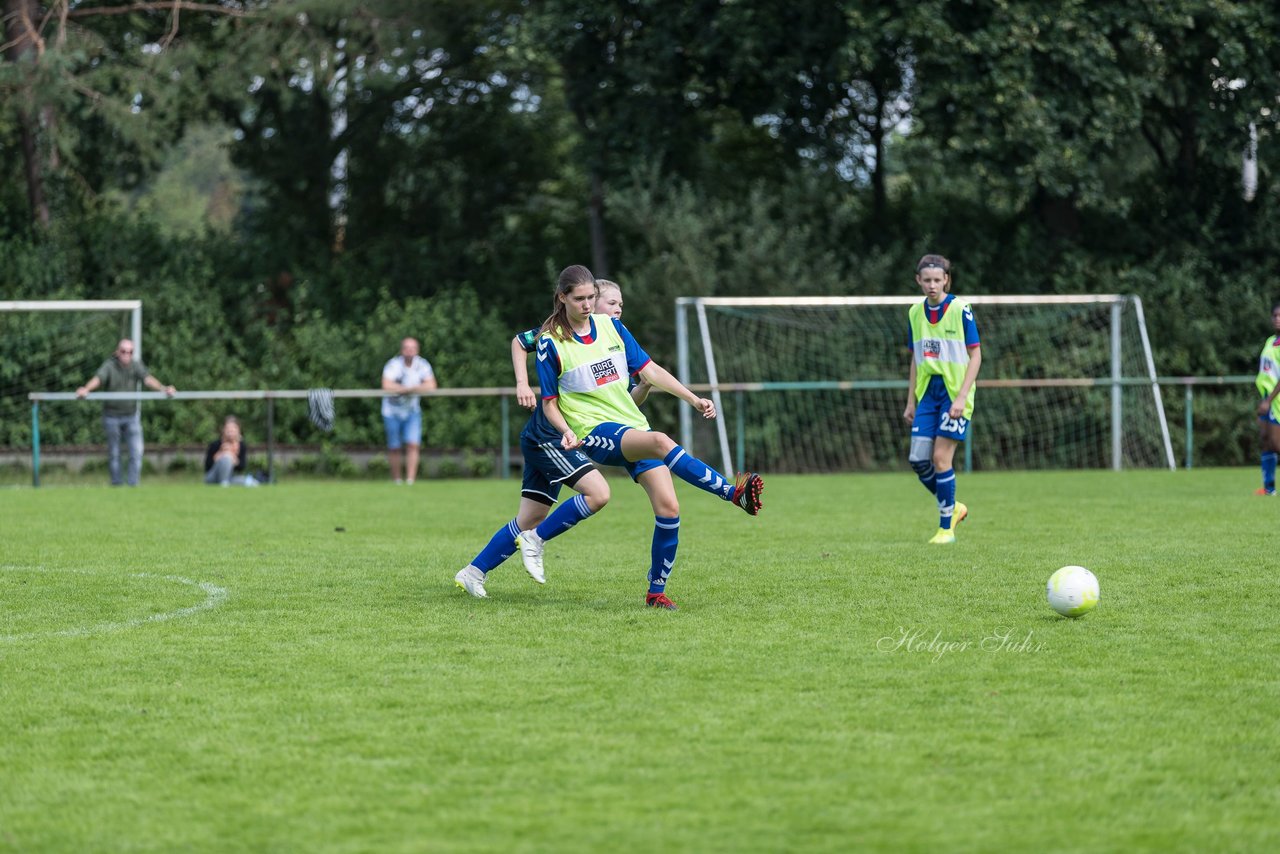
(196, 669)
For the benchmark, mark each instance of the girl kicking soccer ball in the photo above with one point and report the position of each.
(584, 360)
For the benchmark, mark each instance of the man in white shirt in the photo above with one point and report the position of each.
(407, 375)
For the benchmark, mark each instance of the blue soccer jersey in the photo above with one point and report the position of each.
(529, 339)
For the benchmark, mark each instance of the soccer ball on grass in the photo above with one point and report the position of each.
(1072, 591)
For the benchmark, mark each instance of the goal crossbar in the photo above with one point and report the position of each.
(819, 302)
(133, 306)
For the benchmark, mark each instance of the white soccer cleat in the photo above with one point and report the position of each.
(530, 545)
(471, 580)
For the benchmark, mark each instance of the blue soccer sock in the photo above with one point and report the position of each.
(946, 497)
(1269, 471)
(501, 547)
(924, 470)
(666, 538)
(563, 518)
(690, 469)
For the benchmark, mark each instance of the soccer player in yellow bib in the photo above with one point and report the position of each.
(1268, 384)
(945, 358)
(584, 360)
(547, 467)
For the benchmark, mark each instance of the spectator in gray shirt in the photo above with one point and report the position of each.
(122, 418)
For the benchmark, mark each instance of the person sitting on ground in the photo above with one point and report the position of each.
(224, 460)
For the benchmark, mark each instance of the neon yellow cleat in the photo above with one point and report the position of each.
(944, 537)
(959, 514)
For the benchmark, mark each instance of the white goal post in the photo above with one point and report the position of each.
(1067, 381)
(133, 306)
(50, 343)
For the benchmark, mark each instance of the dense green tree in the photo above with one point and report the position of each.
(1062, 109)
(723, 95)
(97, 92)
(394, 155)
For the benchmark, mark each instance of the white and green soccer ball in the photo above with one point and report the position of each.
(1073, 591)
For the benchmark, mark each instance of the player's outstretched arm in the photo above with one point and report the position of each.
(1265, 406)
(551, 409)
(910, 412)
(659, 377)
(520, 367)
(970, 377)
(641, 392)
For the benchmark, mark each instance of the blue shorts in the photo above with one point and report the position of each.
(547, 467)
(932, 419)
(604, 446)
(403, 431)
(1269, 418)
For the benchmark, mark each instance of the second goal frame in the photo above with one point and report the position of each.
(1116, 379)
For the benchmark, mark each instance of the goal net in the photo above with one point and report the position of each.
(57, 344)
(818, 384)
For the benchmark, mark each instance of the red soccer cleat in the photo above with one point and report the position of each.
(1262, 490)
(746, 492)
(659, 600)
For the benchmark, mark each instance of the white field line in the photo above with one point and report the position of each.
(214, 596)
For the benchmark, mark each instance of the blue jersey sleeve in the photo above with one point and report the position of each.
(529, 338)
(970, 327)
(637, 358)
(548, 368)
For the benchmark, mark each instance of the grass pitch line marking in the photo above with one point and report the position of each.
(214, 596)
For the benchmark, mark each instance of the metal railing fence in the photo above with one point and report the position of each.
(1189, 385)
